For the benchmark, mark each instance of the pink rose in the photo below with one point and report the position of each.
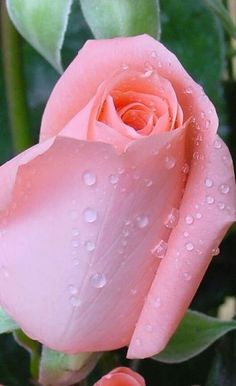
(121, 376)
(110, 222)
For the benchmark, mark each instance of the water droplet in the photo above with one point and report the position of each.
(154, 54)
(156, 302)
(207, 123)
(221, 205)
(75, 301)
(224, 189)
(188, 90)
(189, 219)
(217, 144)
(90, 215)
(75, 243)
(73, 214)
(72, 290)
(186, 234)
(121, 171)
(89, 178)
(133, 291)
(172, 218)
(113, 179)
(98, 280)
(75, 261)
(185, 168)
(170, 162)
(149, 327)
(142, 221)
(148, 66)
(90, 246)
(189, 246)
(215, 251)
(198, 215)
(124, 66)
(160, 249)
(210, 200)
(148, 183)
(146, 74)
(75, 232)
(187, 276)
(208, 182)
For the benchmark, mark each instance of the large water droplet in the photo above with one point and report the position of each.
(170, 162)
(142, 221)
(160, 249)
(89, 178)
(224, 188)
(172, 218)
(90, 215)
(98, 280)
(90, 246)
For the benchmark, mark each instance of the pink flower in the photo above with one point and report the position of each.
(121, 376)
(110, 222)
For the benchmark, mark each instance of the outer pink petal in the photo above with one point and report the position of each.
(207, 210)
(70, 296)
(100, 59)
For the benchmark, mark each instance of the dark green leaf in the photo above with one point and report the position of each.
(195, 333)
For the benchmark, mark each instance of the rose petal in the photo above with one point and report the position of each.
(90, 310)
(101, 59)
(206, 212)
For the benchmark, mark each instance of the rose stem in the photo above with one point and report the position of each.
(15, 84)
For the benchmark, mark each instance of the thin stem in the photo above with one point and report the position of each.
(14, 81)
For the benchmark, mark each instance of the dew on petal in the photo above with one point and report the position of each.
(72, 290)
(189, 219)
(113, 178)
(210, 200)
(90, 246)
(154, 54)
(221, 205)
(172, 218)
(148, 183)
(189, 246)
(160, 249)
(186, 234)
(75, 243)
(89, 178)
(198, 215)
(148, 328)
(75, 301)
(217, 144)
(90, 215)
(185, 168)
(187, 276)
(75, 232)
(224, 188)
(208, 183)
(188, 90)
(124, 66)
(156, 302)
(142, 221)
(170, 162)
(98, 280)
(215, 251)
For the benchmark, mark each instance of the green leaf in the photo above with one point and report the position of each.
(62, 369)
(110, 18)
(219, 9)
(43, 24)
(194, 34)
(196, 332)
(33, 348)
(6, 323)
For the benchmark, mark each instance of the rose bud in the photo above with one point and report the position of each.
(110, 222)
(121, 376)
